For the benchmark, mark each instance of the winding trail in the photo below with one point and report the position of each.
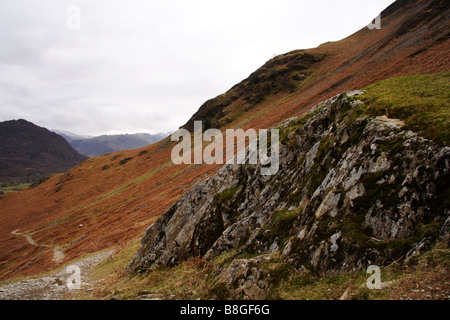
(53, 286)
(58, 253)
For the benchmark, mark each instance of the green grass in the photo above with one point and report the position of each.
(13, 188)
(421, 101)
(400, 279)
(282, 220)
(225, 196)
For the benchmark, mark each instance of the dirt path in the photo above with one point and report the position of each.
(58, 253)
(54, 286)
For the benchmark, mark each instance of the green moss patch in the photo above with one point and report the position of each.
(421, 101)
(225, 196)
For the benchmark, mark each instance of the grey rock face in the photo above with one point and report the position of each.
(352, 190)
(246, 279)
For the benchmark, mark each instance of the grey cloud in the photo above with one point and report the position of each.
(146, 65)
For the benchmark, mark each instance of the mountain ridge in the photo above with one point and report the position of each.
(103, 144)
(29, 152)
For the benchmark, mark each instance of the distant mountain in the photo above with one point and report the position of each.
(29, 152)
(97, 146)
(69, 136)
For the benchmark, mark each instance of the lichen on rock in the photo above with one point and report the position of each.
(352, 188)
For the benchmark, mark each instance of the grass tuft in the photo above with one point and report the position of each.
(421, 101)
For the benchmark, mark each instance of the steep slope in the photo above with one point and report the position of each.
(413, 39)
(109, 200)
(98, 146)
(354, 189)
(29, 153)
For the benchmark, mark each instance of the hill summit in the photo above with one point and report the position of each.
(29, 152)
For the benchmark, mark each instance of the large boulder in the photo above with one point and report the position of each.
(352, 190)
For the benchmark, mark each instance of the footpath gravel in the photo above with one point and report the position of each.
(55, 285)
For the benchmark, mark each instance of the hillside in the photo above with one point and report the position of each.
(311, 230)
(109, 201)
(29, 152)
(413, 39)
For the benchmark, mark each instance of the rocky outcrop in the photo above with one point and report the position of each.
(352, 190)
(244, 279)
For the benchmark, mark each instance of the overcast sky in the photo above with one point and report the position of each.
(147, 66)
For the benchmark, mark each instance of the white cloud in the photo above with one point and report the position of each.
(148, 65)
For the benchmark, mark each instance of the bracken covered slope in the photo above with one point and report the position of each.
(109, 200)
